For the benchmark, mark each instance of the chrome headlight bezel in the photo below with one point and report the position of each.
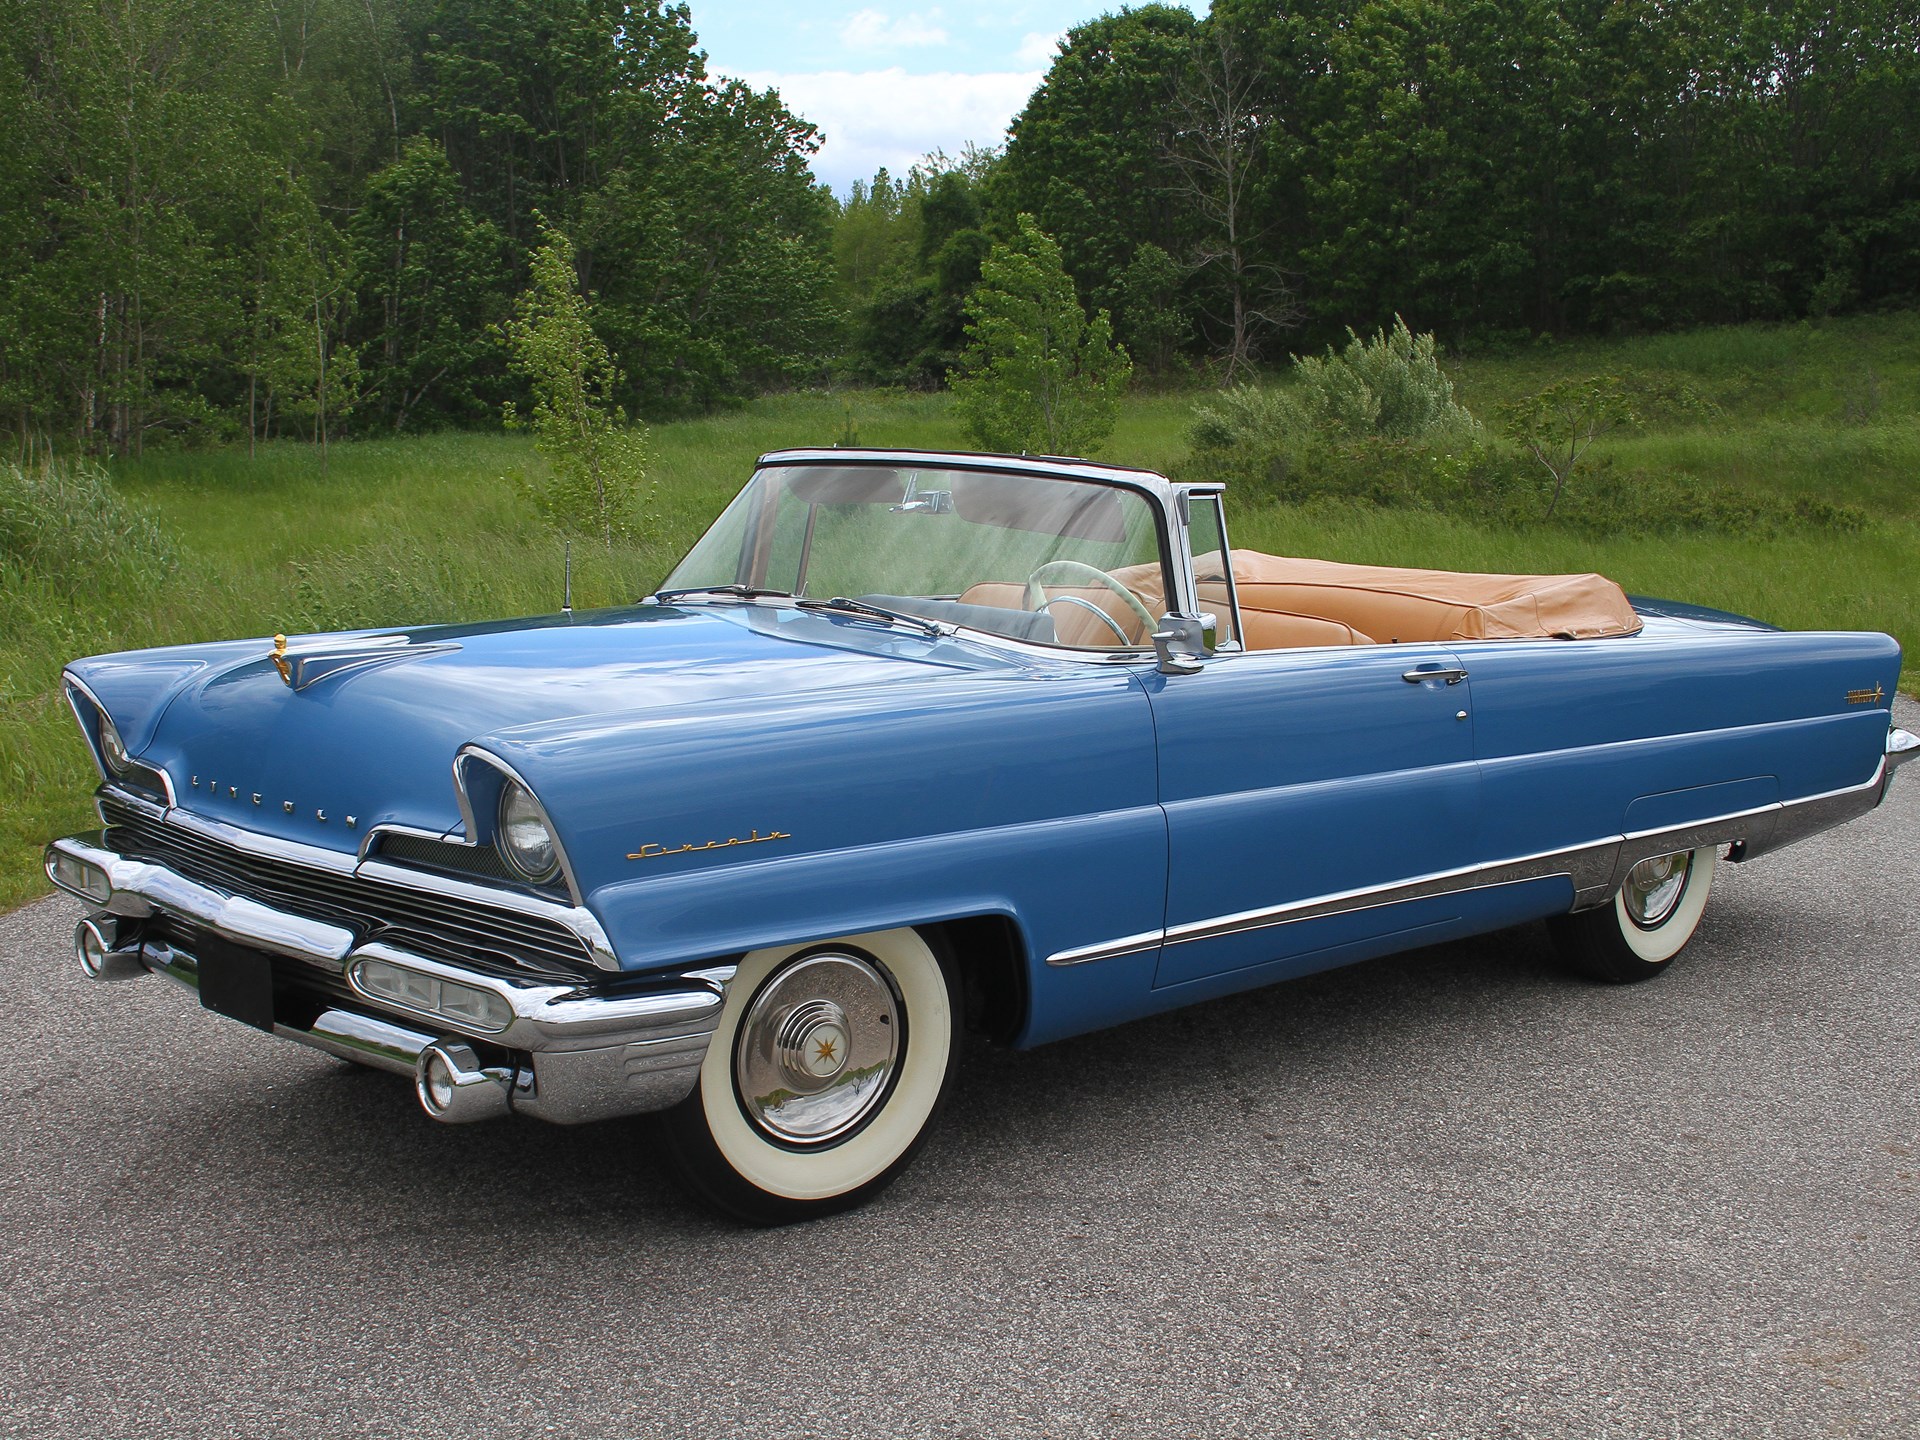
(480, 779)
(518, 816)
(109, 749)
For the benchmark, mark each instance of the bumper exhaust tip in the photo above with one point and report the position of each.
(96, 944)
(455, 1088)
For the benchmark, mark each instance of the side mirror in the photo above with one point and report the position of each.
(1185, 643)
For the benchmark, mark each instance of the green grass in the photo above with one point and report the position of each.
(436, 528)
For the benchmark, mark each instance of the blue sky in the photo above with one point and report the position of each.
(890, 82)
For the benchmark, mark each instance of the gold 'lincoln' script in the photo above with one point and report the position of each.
(654, 852)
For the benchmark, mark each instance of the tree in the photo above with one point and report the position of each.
(1037, 374)
(433, 289)
(1087, 157)
(598, 460)
(1153, 321)
(1216, 150)
(1558, 425)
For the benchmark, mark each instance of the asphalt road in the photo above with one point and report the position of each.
(1447, 1194)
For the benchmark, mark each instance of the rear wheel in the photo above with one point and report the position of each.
(817, 1089)
(1649, 922)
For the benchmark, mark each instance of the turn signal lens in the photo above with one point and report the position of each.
(523, 839)
(77, 877)
(466, 1007)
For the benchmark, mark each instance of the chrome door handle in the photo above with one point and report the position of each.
(1452, 674)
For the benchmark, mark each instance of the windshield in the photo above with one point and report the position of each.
(1055, 561)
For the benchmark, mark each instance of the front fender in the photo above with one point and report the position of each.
(718, 828)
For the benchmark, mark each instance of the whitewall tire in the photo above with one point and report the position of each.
(1650, 921)
(828, 1064)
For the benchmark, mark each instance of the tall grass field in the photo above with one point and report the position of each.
(199, 545)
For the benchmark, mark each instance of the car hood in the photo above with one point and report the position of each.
(370, 734)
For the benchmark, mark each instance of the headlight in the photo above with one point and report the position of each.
(523, 839)
(112, 747)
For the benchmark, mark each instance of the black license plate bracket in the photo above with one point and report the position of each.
(236, 982)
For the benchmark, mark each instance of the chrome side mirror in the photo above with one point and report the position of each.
(1185, 643)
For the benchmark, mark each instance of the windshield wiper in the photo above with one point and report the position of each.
(743, 592)
(844, 606)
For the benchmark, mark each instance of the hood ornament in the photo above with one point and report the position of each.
(309, 666)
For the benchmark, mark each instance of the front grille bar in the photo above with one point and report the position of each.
(457, 928)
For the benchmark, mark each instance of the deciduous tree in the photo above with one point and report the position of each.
(1037, 374)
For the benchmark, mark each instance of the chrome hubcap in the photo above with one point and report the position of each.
(818, 1049)
(1654, 888)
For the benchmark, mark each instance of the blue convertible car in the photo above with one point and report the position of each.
(915, 745)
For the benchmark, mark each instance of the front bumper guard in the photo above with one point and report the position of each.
(575, 1055)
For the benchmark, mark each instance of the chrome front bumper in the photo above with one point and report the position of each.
(567, 1052)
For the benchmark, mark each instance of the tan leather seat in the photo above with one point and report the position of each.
(1288, 603)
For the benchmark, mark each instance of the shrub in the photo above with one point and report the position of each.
(1389, 384)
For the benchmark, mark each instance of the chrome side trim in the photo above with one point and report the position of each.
(1110, 949)
(1801, 818)
(1597, 870)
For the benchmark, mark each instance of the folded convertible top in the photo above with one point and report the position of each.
(1389, 604)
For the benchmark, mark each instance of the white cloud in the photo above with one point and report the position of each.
(876, 30)
(1037, 49)
(889, 117)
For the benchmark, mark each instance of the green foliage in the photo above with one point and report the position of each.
(1389, 386)
(1557, 425)
(395, 580)
(907, 255)
(1038, 375)
(1154, 324)
(1087, 157)
(64, 527)
(598, 461)
(432, 278)
(1494, 487)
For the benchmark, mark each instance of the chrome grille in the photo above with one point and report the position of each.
(455, 929)
(466, 861)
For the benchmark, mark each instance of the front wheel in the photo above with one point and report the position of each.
(817, 1089)
(1649, 922)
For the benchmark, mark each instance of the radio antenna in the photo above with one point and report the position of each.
(566, 594)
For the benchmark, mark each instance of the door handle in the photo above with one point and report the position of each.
(1452, 674)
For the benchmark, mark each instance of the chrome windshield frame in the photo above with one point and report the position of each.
(1160, 495)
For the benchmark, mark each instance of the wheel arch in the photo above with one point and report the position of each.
(990, 957)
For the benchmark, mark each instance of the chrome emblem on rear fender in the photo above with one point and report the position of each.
(1867, 697)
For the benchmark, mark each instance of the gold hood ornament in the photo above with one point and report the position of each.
(310, 666)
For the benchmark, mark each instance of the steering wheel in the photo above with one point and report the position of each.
(1068, 571)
